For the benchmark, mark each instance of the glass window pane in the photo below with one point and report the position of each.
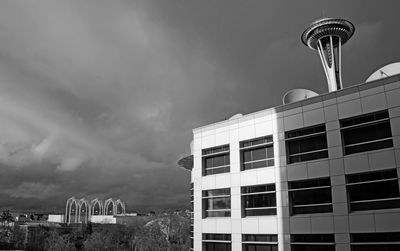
(376, 190)
(247, 166)
(259, 154)
(270, 152)
(219, 161)
(218, 203)
(217, 192)
(218, 213)
(370, 191)
(310, 156)
(311, 196)
(370, 176)
(362, 135)
(260, 200)
(226, 159)
(247, 156)
(382, 247)
(369, 146)
(209, 162)
(376, 237)
(259, 212)
(367, 133)
(259, 164)
(312, 247)
(224, 169)
(305, 194)
(306, 144)
(311, 209)
(260, 188)
(312, 238)
(374, 205)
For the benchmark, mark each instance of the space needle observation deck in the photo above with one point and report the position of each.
(327, 35)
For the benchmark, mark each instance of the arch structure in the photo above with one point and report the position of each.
(81, 210)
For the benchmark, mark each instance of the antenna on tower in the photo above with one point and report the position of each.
(327, 35)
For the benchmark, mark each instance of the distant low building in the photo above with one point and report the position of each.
(56, 218)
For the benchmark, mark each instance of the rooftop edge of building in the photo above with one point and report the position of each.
(309, 101)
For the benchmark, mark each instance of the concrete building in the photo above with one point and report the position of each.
(56, 218)
(320, 173)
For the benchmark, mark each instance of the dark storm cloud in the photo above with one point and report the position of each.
(98, 98)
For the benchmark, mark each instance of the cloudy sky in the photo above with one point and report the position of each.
(98, 98)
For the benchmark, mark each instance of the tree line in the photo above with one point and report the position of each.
(161, 232)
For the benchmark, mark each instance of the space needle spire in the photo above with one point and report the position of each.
(327, 36)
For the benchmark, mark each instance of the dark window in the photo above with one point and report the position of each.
(373, 190)
(260, 242)
(312, 242)
(375, 241)
(216, 160)
(257, 153)
(217, 203)
(310, 196)
(258, 200)
(306, 144)
(216, 242)
(366, 133)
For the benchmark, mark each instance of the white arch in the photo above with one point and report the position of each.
(70, 202)
(93, 206)
(83, 202)
(119, 202)
(106, 204)
(66, 217)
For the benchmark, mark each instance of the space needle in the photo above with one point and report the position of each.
(327, 36)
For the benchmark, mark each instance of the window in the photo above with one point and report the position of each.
(217, 203)
(260, 242)
(366, 133)
(216, 242)
(373, 190)
(375, 241)
(306, 144)
(258, 200)
(257, 153)
(216, 160)
(310, 196)
(312, 242)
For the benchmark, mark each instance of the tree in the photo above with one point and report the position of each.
(179, 234)
(6, 217)
(167, 232)
(56, 242)
(151, 238)
(101, 242)
(6, 227)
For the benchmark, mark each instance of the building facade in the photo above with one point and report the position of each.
(317, 174)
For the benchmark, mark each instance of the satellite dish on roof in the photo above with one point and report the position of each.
(236, 116)
(297, 95)
(385, 71)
